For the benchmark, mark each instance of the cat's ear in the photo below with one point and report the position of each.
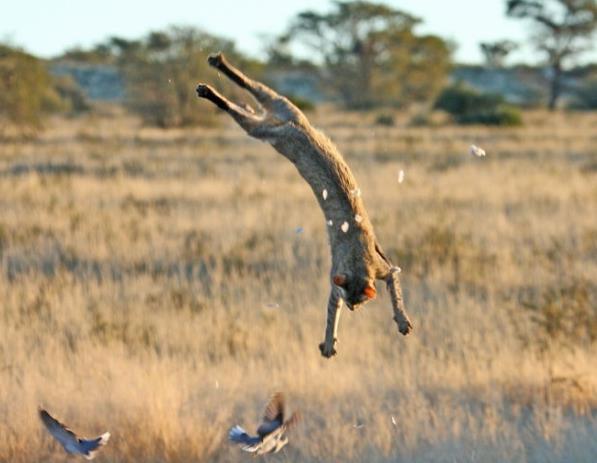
(340, 279)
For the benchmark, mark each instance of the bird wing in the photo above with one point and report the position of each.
(273, 416)
(60, 432)
(292, 421)
(239, 435)
(89, 447)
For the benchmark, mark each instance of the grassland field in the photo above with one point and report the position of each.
(161, 284)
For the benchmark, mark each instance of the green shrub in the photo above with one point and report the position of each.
(469, 106)
(459, 99)
(385, 119)
(26, 90)
(503, 115)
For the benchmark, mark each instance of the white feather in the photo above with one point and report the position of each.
(476, 151)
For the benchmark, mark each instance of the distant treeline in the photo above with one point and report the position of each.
(360, 55)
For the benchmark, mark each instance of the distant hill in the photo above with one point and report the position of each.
(99, 82)
(524, 85)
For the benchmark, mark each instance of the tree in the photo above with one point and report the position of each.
(100, 54)
(370, 55)
(564, 30)
(496, 52)
(161, 72)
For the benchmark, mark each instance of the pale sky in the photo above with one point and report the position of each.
(48, 27)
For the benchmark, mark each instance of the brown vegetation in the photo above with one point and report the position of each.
(153, 283)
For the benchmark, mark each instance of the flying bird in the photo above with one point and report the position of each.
(475, 150)
(271, 433)
(69, 440)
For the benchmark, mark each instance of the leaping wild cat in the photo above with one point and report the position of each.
(357, 258)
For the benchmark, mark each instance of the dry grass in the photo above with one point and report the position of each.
(153, 284)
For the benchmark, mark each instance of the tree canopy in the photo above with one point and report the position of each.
(496, 52)
(564, 29)
(370, 55)
(161, 72)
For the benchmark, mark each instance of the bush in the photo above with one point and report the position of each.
(161, 72)
(385, 119)
(503, 115)
(72, 96)
(459, 99)
(469, 106)
(26, 90)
